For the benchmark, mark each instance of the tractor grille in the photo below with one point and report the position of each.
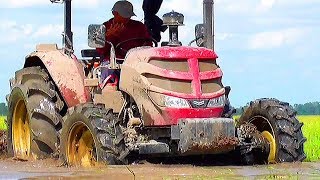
(210, 86)
(180, 86)
(176, 65)
(195, 68)
(207, 65)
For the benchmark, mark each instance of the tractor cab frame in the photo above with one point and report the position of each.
(204, 31)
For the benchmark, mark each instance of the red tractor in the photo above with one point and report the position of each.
(165, 101)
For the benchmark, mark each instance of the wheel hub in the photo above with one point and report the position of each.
(272, 146)
(263, 125)
(81, 147)
(21, 137)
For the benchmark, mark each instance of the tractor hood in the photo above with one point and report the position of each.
(173, 53)
(156, 77)
(186, 72)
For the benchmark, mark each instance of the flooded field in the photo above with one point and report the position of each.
(220, 169)
(12, 169)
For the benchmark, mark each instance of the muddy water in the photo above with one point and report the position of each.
(12, 169)
(52, 169)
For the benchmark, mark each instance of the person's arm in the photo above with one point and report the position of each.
(109, 36)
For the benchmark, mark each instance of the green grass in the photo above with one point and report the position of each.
(311, 130)
(3, 125)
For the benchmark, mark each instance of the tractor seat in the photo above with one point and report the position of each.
(90, 53)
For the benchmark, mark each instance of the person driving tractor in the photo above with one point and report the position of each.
(122, 28)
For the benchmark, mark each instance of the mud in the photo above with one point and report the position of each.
(51, 169)
(221, 143)
(154, 169)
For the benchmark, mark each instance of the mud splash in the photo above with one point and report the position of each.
(52, 169)
(3, 142)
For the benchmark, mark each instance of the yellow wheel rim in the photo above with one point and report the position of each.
(21, 137)
(272, 144)
(80, 148)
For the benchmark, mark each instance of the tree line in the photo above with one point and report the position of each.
(310, 108)
(3, 109)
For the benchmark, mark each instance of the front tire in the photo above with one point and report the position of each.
(277, 123)
(92, 135)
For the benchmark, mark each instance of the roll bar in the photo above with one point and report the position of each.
(208, 21)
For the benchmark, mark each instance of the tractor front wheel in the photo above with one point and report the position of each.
(91, 135)
(277, 123)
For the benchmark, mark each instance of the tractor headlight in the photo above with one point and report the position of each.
(217, 102)
(168, 101)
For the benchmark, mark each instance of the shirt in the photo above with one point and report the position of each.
(132, 29)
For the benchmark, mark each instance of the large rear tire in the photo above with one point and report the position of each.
(277, 123)
(33, 118)
(92, 135)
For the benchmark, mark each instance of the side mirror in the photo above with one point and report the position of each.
(200, 35)
(96, 36)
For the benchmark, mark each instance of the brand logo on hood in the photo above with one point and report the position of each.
(199, 103)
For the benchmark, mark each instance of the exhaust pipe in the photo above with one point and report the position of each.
(67, 40)
(67, 35)
(208, 21)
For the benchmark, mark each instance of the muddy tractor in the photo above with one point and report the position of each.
(166, 101)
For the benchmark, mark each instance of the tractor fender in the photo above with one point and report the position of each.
(66, 72)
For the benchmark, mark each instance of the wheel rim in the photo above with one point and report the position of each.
(272, 146)
(81, 146)
(21, 137)
(263, 125)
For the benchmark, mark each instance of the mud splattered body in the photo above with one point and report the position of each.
(220, 144)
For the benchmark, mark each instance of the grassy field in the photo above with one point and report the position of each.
(311, 131)
(3, 125)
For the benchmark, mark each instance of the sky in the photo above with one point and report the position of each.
(266, 48)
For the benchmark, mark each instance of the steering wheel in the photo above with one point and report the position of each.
(119, 45)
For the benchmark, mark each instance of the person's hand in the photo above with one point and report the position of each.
(114, 29)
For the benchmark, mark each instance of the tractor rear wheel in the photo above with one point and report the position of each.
(277, 123)
(92, 135)
(33, 118)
